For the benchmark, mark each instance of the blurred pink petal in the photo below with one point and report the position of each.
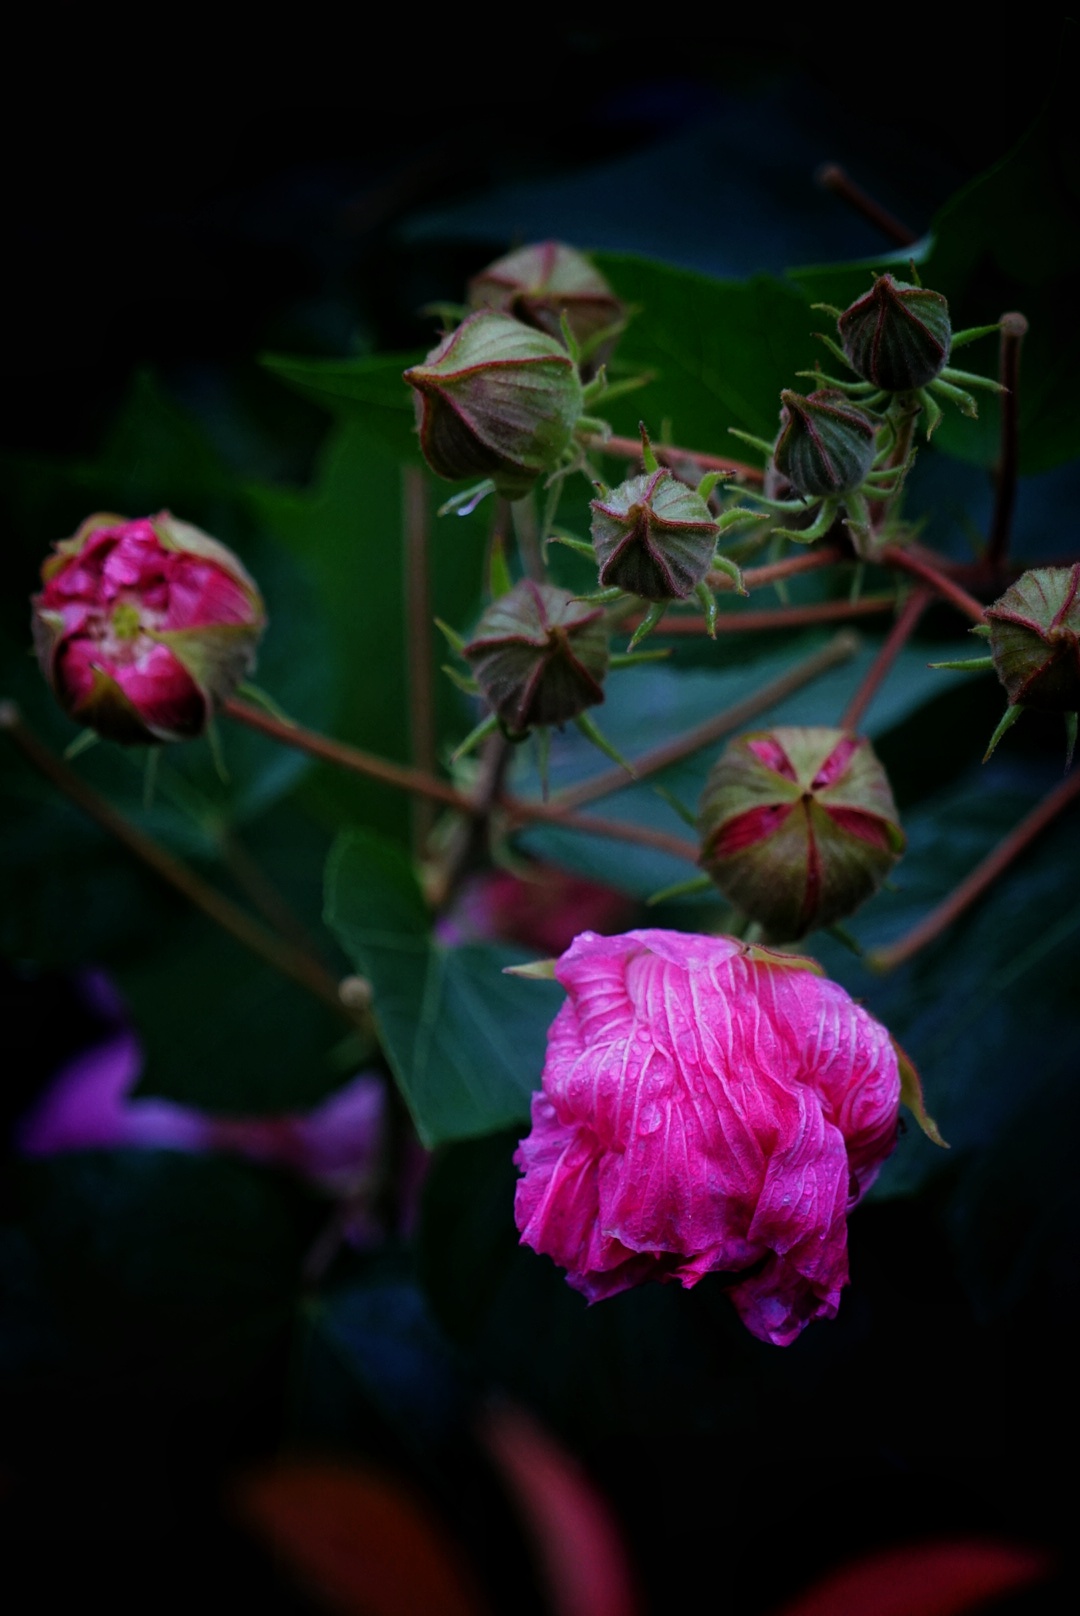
(578, 1541)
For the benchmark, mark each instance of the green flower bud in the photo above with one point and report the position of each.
(496, 399)
(539, 656)
(541, 283)
(798, 827)
(1035, 639)
(826, 443)
(897, 336)
(653, 537)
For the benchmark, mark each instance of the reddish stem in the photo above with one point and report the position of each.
(271, 949)
(895, 641)
(773, 571)
(618, 830)
(839, 648)
(822, 611)
(982, 877)
(416, 522)
(928, 573)
(667, 453)
(1013, 330)
(837, 180)
(347, 757)
(406, 779)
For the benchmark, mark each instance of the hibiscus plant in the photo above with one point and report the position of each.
(519, 894)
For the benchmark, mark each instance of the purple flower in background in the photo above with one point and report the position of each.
(337, 1146)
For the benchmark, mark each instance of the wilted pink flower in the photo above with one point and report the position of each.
(707, 1107)
(142, 626)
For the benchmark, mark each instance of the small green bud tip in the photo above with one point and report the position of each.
(653, 536)
(1035, 639)
(826, 444)
(539, 656)
(798, 827)
(496, 400)
(897, 335)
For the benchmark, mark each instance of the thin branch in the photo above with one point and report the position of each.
(982, 877)
(257, 887)
(737, 622)
(1013, 330)
(399, 775)
(896, 639)
(289, 961)
(549, 813)
(420, 663)
(831, 177)
(839, 649)
(773, 571)
(928, 573)
(668, 454)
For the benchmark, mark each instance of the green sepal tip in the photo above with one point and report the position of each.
(591, 733)
(681, 889)
(1008, 719)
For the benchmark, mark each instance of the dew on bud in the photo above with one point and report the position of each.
(798, 826)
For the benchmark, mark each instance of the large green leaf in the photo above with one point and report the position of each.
(367, 390)
(718, 351)
(465, 1042)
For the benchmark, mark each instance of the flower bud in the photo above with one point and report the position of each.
(1035, 639)
(653, 537)
(798, 826)
(897, 335)
(143, 626)
(496, 399)
(539, 656)
(540, 284)
(826, 444)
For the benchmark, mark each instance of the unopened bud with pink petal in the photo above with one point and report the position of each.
(539, 656)
(798, 827)
(143, 626)
(707, 1109)
(547, 282)
(496, 399)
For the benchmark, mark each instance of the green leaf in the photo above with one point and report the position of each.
(719, 351)
(465, 1042)
(369, 391)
